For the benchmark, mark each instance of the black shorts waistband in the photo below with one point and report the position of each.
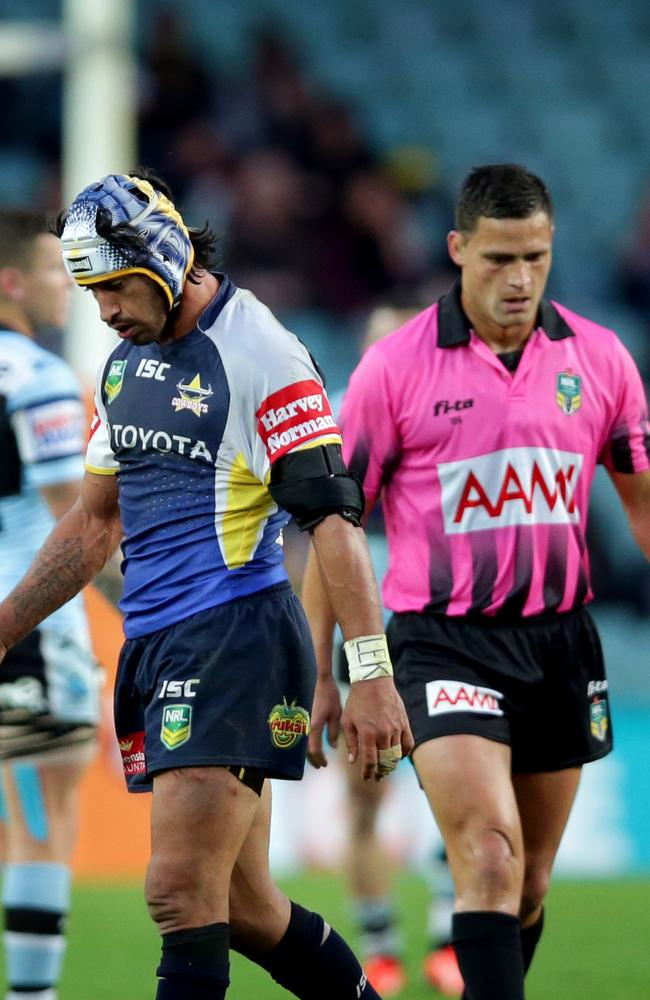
(498, 621)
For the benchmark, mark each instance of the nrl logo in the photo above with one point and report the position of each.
(568, 392)
(176, 725)
(114, 379)
(599, 719)
(192, 396)
(288, 724)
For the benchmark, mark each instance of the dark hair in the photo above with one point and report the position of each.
(19, 227)
(500, 191)
(125, 238)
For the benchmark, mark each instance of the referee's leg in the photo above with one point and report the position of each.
(467, 780)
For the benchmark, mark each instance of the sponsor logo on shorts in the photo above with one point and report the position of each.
(294, 415)
(599, 719)
(132, 751)
(288, 724)
(179, 689)
(510, 487)
(114, 379)
(176, 726)
(596, 687)
(454, 696)
(192, 396)
(568, 392)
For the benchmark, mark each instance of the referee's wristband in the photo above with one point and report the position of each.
(368, 657)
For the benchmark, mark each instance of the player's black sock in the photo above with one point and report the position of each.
(530, 939)
(488, 947)
(194, 964)
(313, 962)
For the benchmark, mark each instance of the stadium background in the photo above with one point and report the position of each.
(325, 143)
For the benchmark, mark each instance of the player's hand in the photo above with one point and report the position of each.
(325, 713)
(376, 727)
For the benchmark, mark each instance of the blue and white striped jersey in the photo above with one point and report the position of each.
(43, 445)
(192, 428)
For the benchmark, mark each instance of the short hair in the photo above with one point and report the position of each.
(19, 228)
(500, 191)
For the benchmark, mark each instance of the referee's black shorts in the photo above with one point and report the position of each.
(538, 685)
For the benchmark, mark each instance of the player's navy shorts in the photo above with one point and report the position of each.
(49, 695)
(538, 685)
(230, 686)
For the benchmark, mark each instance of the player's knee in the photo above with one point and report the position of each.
(173, 892)
(363, 817)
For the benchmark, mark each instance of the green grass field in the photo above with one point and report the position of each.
(595, 944)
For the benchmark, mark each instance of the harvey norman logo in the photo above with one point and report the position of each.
(510, 487)
(299, 412)
(455, 696)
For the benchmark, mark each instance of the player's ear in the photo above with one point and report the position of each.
(11, 284)
(456, 247)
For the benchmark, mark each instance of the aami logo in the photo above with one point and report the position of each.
(454, 696)
(509, 487)
(299, 412)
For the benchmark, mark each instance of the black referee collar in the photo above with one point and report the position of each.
(454, 327)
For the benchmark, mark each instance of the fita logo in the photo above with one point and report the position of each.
(568, 391)
(192, 396)
(288, 724)
(176, 726)
(114, 379)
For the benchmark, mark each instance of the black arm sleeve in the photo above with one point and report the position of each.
(313, 483)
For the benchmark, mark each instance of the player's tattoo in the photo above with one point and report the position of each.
(56, 576)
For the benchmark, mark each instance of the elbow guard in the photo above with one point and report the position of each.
(313, 483)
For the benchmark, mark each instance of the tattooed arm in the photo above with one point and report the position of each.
(71, 556)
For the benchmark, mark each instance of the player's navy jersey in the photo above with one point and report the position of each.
(192, 428)
(43, 438)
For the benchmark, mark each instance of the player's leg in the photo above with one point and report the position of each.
(42, 804)
(368, 872)
(545, 802)
(440, 967)
(200, 819)
(467, 781)
(296, 946)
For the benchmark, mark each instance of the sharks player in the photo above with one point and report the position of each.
(211, 424)
(48, 683)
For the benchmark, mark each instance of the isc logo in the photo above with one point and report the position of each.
(176, 689)
(150, 368)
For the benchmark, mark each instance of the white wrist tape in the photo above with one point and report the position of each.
(368, 657)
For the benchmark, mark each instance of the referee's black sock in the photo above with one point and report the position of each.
(314, 963)
(530, 939)
(488, 948)
(194, 964)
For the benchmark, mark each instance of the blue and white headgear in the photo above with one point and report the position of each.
(90, 257)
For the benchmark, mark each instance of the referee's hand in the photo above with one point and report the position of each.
(376, 727)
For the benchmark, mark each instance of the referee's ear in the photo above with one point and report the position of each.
(456, 247)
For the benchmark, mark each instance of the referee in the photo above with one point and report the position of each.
(480, 423)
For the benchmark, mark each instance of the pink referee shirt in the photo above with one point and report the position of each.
(484, 474)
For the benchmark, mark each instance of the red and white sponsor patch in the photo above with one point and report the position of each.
(132, 751)
(94, 423)
(294, 415)
(51, 430)
(509, 487)
(455, 696)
